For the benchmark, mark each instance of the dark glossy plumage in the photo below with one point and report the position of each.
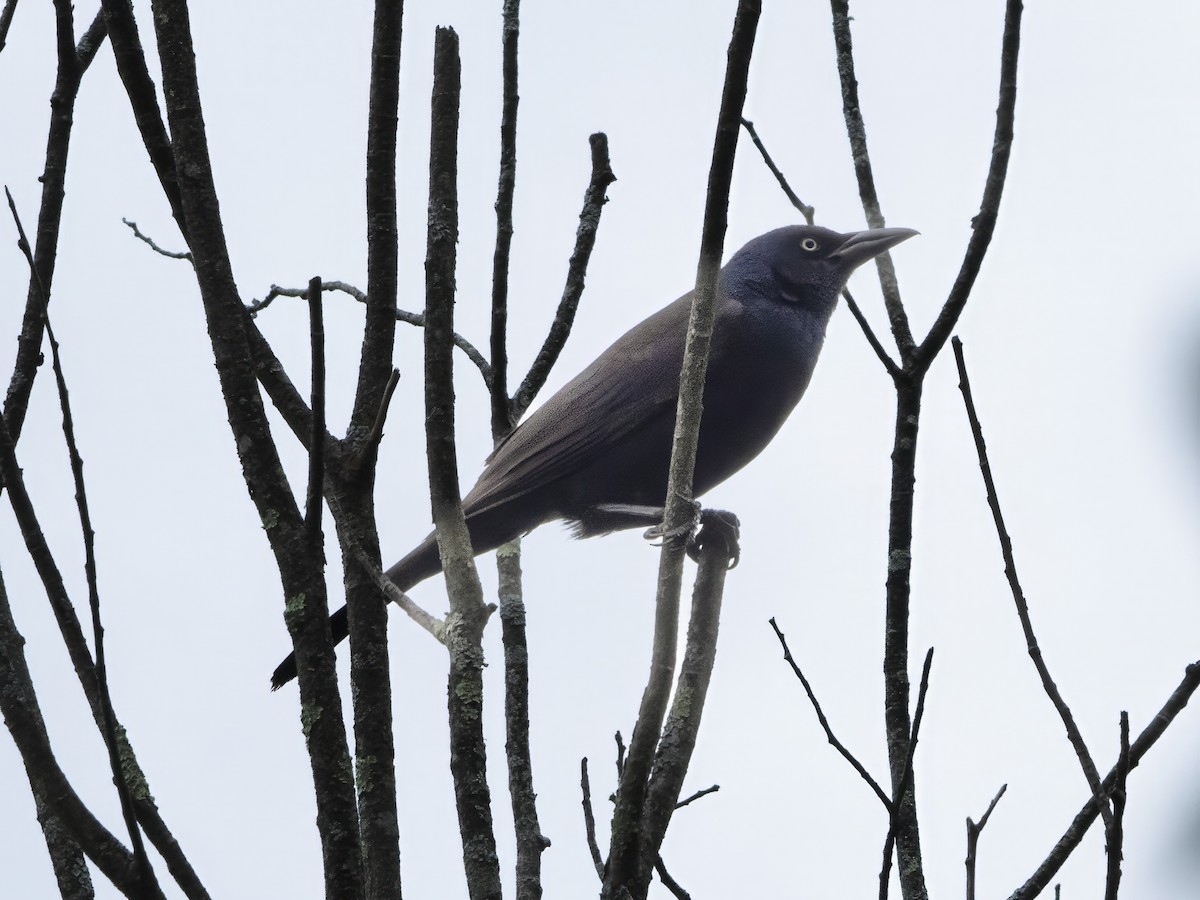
(596, 453)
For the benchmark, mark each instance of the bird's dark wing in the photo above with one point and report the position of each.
(632, 384)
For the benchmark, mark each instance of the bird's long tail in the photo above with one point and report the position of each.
(422, 563)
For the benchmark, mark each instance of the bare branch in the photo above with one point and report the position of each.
(468, 614)
(903, 786)
(829, 735)
(107, 718)
(984, 223)
(502, 421)
(805, 210)
(670, 883)
(1066, 845)
(857, 132)
(314, 504)
(1010, 572)
(696, 796)
(409, 318)
(634, 848)
(1115, 838)
(6, 17)
(585, 239)
(589, 818)
(973, 832)
(170, 254)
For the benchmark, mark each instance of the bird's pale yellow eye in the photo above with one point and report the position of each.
(809, 244)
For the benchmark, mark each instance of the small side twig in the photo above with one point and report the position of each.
(589, 818)
(1010, 572)
(809, 214)
(370, 445)
(1115, 838)
(670, 883)
(161, 251)
(805, 210)
(585, 239)
(409, 318)
(829, 735)
(696, 796)
(974, 829)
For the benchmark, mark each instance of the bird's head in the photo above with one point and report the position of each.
(805, 265)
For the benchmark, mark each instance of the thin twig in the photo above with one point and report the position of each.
(809, 214)
(107, 717)
(805, 210)
(1115, 838)
(1010, 571)
(984, 222)
(585, 239)
(409, 318)
(502, 422)
(670, 883)
(829, 735)
(857, 132)
(696, 796)
(370, 446)
(589, 818)
(435, 626)
(1083, 820)
(170, 254)
(974, 829)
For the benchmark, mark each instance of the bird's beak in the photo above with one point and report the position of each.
(864, 245)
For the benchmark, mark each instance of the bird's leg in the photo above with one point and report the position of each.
(716, 525)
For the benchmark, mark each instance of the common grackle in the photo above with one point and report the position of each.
(596, 454)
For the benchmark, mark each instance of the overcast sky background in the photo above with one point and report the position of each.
(1081, 337)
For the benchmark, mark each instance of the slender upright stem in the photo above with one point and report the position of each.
(625, 852)
(468, 614)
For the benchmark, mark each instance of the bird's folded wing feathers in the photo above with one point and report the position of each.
(630, 386)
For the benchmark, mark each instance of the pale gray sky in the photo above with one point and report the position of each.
(1079, 334)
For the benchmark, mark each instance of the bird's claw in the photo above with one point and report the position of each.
(705, 525)
(661, 533)
(720, 525)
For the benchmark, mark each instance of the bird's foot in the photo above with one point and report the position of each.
(717, 525)
(706, 525)
(661, 533)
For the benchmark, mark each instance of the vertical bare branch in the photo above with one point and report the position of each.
(468, 614)
(313, 503)
(366, 610)
(307, 608)
(589, 818)
(1114, 842)
(502, 420)
(682, 726)
(625, 853)
(107, 718)
(530, 840)
(857, 132)
(45, 252)
(974, 829)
